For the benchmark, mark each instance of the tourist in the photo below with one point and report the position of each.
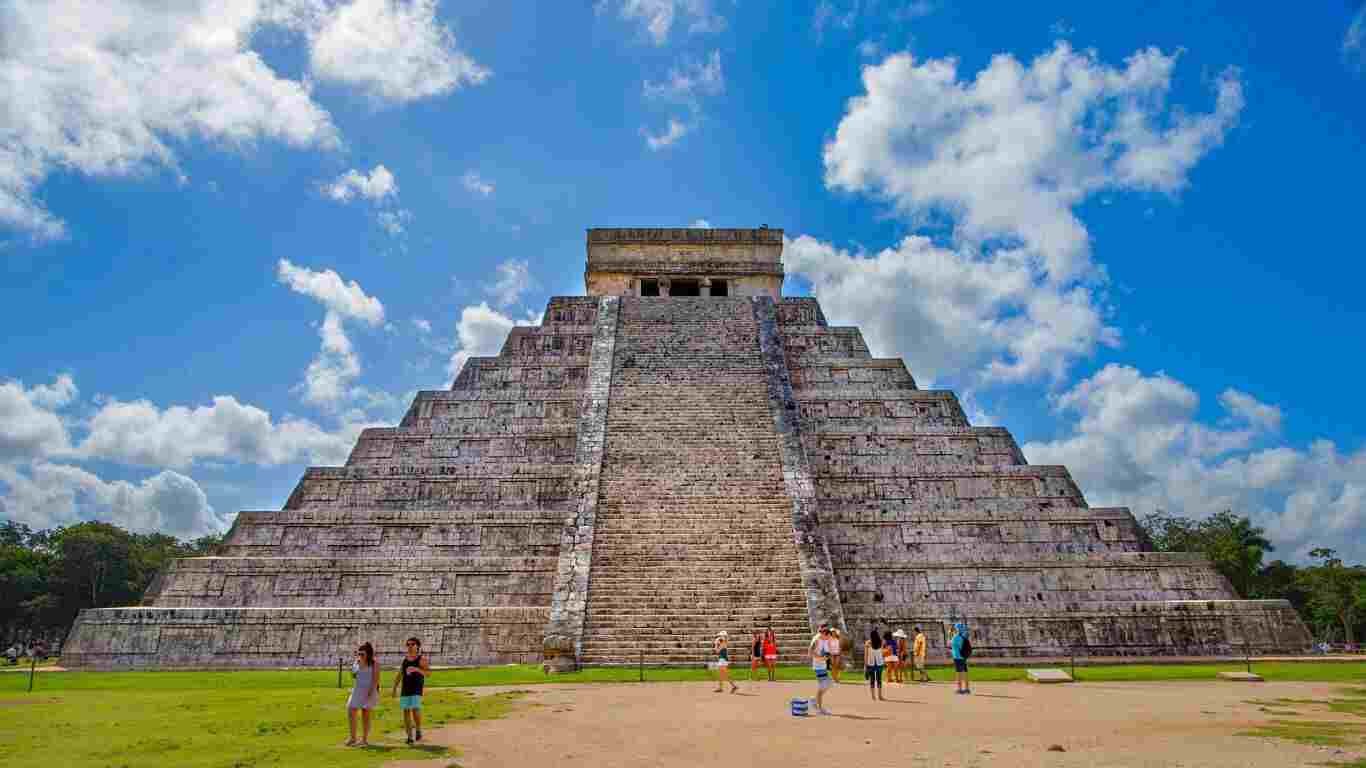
(820, 664)
(918, 653)
(902, 654)
(873, 663)
(889, 654)
(364, 694)
(836, 653)
(412, 674)
(961, 648)
(723, 663)
(756, 655)
(771, 654)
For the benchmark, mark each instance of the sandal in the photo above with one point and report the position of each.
(350, 743)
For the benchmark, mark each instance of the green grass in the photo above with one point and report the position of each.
(215, 726)
(1316, 732)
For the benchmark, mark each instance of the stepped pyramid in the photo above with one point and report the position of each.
(679, 452)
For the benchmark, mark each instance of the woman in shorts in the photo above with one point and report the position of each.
(720, 647)
(364, 694)
(771, 654)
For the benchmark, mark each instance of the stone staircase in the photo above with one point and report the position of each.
(693, 531)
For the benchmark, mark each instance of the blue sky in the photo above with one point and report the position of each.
(234, 234)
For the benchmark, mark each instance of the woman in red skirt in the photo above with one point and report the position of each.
(771, 654)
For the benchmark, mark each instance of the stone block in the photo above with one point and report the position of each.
(1049, 675)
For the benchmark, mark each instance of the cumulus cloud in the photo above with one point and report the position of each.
(949, 311)
(658, 17)
(328, 379)
(376, 185)
(45, 495)
(113, 88)
(393, 50)
(1010, 153)
(142, 433)
(1136, 440)
(481, 332)
(476, 184)
(29, 426)
(1004, 157)
(675, 131)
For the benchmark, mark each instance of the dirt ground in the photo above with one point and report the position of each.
(1166, 724)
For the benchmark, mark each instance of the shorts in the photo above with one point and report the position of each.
(410, 702)
(960, 665)
(823, 679)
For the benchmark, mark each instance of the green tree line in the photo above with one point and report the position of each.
(48, 576)
(1329, 594)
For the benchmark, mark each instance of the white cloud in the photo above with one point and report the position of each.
(327, 382)
(701, 224)
(477, 185)
(346, 299)
(376, 185)
(1005, 158)
(869, 49)
(843, 14)
(104, 88)
(514, 279)
(422, 325)
(481, 332)
(1136, 442)
(686, 84)
(394, 222)
(142, 433)
(1010, 153)
(115, 87)
(29, 428)
(1249, 409)
(951, 312)
(46, 495)
(675, 131)
(1354, 42)
(659, 16)
(393, 50)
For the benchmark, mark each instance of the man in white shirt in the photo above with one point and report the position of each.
(822, 646)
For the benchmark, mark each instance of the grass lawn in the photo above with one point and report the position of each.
(298, 718)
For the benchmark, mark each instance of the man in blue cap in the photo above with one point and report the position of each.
(961, 648)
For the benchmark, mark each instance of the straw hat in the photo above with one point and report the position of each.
(722, 633)
(899, 633)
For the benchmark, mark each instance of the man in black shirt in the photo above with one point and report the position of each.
(412, 674)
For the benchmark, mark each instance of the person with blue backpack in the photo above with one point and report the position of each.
(961, 648)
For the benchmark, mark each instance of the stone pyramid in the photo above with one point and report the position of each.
(680, 452)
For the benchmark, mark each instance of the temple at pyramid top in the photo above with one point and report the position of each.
(657, 261)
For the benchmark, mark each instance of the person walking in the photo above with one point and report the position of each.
(364, 694)
(961, 648)
(918, 653)
(820, 664)
(771, 654)
(412, 675)
(874, 661)
(836, 645)
(719, 646)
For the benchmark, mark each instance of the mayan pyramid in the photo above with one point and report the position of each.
(681, 451)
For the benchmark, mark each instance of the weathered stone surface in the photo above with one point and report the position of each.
(637, 473)
(1051, 675)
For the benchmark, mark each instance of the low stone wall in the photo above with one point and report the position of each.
(298, 637)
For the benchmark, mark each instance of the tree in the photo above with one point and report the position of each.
(1337, 593)
(1234, 546)
(95, 565)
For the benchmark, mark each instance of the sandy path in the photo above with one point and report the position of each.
(1165, 724)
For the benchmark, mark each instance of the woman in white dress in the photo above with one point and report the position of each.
(364, 694)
